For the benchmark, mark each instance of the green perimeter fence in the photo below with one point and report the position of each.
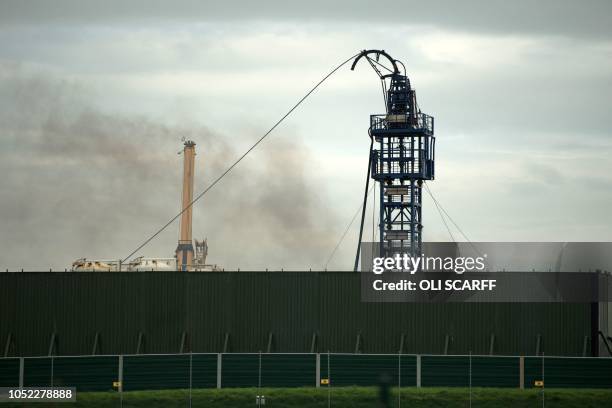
(231, 370)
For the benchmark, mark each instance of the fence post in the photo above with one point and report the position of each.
(190, 375)
(399, 379)
(259, 373)
(51, 370)
(418, 371)
(21, 369)
(120, 378)
(522, 372)
(120, 373)
(329, 379)
(470, 374)
(219, 358)
(260, 398)
(543, 383)
(318, 371)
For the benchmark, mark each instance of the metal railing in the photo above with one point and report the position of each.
(421, 122)
(280, 370)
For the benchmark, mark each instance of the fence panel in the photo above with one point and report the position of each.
(408, 372)
(86, 373)
(37, 372)
(204, 370)
(502, 372)
(368, 369)
(9, 372)
(277, 370)
(562, 372)
(155, 372)
(239, 370)
(288, 370)
(455, 371)
(445, 371)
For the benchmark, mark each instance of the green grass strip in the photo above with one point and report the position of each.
(349, 397)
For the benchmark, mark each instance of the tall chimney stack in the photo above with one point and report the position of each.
(184, 250)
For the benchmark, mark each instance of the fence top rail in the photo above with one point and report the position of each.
(510, 356)
(122, 355)
(419, 354)
(304, 354)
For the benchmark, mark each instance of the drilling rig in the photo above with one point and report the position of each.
(401, 158)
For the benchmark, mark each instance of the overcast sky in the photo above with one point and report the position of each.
(94, 101)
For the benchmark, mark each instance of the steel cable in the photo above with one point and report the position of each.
(230, 168)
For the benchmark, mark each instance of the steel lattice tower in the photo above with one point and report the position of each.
(402, 157)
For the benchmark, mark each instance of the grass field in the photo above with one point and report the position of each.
(349, 397)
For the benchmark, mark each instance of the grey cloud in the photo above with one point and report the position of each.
(557, 17)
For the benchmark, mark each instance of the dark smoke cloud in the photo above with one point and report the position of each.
(80, 182)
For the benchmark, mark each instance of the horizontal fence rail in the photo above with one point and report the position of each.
(275, 370)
